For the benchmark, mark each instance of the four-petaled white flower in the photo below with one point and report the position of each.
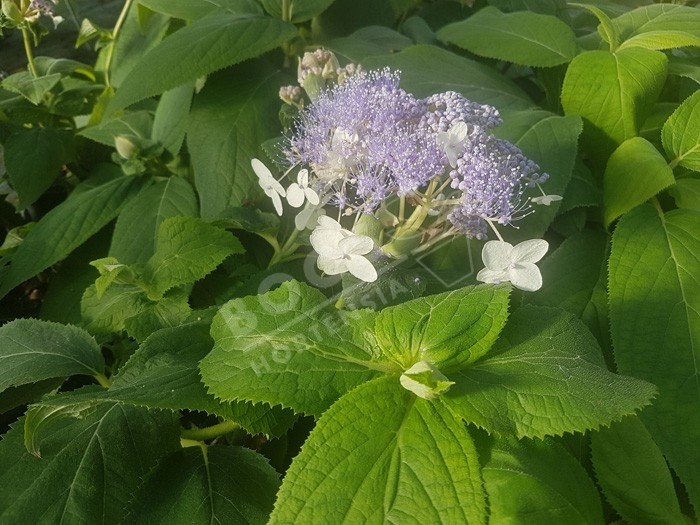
(546, 199)
(341, 250)
(308, 217)
(299, 191)
(505, 262)
(453, 142)
(270, 186)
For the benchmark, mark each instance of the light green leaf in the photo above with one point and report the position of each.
(655, 256)
(195, 9)
(33, 350)
(135, 124)
(289, 346)
(89, 468)
(299, 10)
(233, 115)
(33, 89)
(662, 40)
(686, 193)
(684, 67)
(134, 238)
(681, 134)
(523, 37)
(187, 249)
(205, 485)
(382, 455)
(552, 142)
(430, 69)
(606, 29)
(633, 474)
(659, 17)
(449, 330)
(33, 158)
(206, 45)
(613, 92)
(170, 121)
(636, 171)
(535, 482)
(544, 376)
(66, 227)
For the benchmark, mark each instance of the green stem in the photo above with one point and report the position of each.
(103, 380)
(286, 250)
(203, 434)
(115, 32)
(28, 50)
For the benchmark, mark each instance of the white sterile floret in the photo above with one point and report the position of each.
(300, 191)
(546, 199)
(308, 217)
(270, 186)
(452, 142)
(341, 250)
(505, 262)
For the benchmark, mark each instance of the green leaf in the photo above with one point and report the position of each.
(299, 10)
(428, 69)
(135, 124)
(534, 482)
(684, 67)
(233, 115)
(606, 29)
(523, 37)
(382, 455)
(66, 227)
(681, 134)
(288, 347)
(544, 376)
(662, 40)
(187, 249)
(659, 17)
(613, 92)
(450, 329)
(368, 41)
(206, 45)
(134, 238)
(89, 468)
(634, 475)
(163, 374)
(552, 142)
(33, 158)
(204, 485)
(248, 219)
(170, 121)
(686, 193)
(194, 9)
(635, 173)
(655, 255)
(33, 89)
(582, 190)
(33, 350)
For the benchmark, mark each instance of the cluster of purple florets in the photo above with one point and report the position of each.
(366, 139)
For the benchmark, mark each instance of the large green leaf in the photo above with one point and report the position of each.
(66, 227)
(523, 37)
(135, 124)
(89, 467)
(187, 249)
(450, 329)
(134, 238)
(662, 40)
(217, 484)
(170, 120)
(382, 455)
(32, 350)
(655, 324)
(163, 374)
(633, 474)
(368, 41)
(207, 45)
(613, 92)
(289, 347)
(659, 17)
(536, 482)
(544, 376)
(299, 10)
(686, 193)
(552, 142)
(194, 9)
(33, 158)
(681, 134)
(233, 115)
(636, 171)
(429, 69)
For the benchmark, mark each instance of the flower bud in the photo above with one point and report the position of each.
(125, 147)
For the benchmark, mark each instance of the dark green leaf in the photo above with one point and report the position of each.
(299, 10)
(170, 121)
(194, 9)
